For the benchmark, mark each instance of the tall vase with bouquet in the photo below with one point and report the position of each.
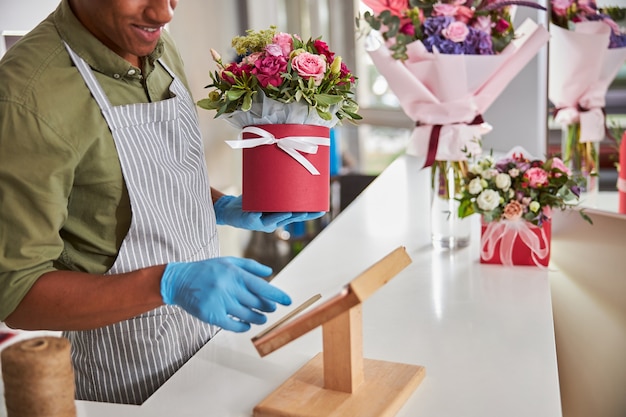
(587, 49)
(515, 196)
(447, 61)
(284, 94)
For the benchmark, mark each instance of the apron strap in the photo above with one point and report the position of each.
(90, 79)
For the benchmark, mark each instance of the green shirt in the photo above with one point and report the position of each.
(63, 202)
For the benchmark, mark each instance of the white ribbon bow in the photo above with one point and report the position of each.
(292, 145)
(506, 232)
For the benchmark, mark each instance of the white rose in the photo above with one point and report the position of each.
(503, 181)
(488, 200)
(534, 206)
(489, 173)
(476, 169)
(475, 187)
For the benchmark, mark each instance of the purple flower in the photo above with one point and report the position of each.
(478, 43)
(434, 25)
(443, 45)
(618, 40)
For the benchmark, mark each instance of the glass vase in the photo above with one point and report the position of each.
(582, 158)
(448, 230)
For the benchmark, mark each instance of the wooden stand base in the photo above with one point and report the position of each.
(386, 387)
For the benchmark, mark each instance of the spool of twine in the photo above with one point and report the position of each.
(38, 378)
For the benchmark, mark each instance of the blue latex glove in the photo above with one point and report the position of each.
(227, 292)
(228, 211)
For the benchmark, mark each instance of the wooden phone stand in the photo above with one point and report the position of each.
(339, 382)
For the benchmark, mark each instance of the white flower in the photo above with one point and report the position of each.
(488, 200)
(476, 169)
(514, 172)
(475, 187)
(489, 173)
(503, 181)
(487, 162)
(534, 206)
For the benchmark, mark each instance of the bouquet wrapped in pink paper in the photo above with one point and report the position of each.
(447, 61)
(455, 62)
(587, 48)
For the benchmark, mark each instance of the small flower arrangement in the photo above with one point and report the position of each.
(516, 188)
(469, 27)
(285, 69)
(567, 13)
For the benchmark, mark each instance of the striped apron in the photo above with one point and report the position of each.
(161, 155)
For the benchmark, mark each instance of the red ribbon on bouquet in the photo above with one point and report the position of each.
(433, 142)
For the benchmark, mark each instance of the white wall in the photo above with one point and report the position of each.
(519, 114)
(23, 15)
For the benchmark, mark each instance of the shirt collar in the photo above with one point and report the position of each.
(95, 53)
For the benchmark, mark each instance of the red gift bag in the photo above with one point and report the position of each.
(285, 168)
(515, 243)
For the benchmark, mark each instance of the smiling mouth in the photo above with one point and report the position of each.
(149, 29)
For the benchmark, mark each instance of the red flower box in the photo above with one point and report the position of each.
(274, 180)
(515, 243)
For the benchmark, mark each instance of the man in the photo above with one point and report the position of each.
(108, 224)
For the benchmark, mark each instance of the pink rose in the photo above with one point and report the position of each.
(268, 70)
(456, 31)
(536, 177)
(464, 14)
(251, 59)
(396, 7)
(285, 41)
(310, 66)
(558, 164)
(444, 9)
(513, 210)
(274, 50)
(559, 7)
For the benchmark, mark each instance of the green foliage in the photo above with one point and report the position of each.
(232, 91)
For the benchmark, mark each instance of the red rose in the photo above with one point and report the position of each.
(322, 48)
(268, 70)
(237, 71)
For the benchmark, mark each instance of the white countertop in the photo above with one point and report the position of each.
(484, 332)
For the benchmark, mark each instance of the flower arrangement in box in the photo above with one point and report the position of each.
(515, 196)
(587, 49)
(284, 93)
(447, 61)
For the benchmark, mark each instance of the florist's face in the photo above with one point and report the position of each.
(130, 28)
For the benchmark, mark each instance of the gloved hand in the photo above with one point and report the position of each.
(228, 211)
(227, 292)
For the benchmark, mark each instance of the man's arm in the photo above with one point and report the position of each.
(66, 300)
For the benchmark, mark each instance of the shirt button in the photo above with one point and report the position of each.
(131, 72)
(116, 76)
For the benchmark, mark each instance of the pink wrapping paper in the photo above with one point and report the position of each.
(581, 69)
(452, 90)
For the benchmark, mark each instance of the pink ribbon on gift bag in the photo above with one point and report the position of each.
(292, 145)
(506, 232)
